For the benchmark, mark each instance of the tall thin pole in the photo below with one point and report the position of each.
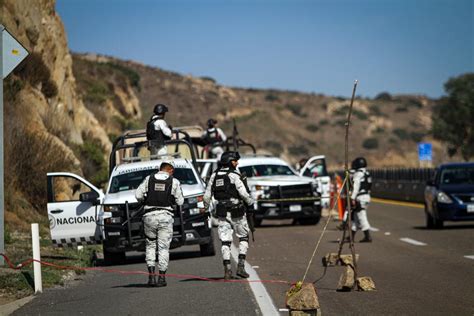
(348, 186)
(2, 195)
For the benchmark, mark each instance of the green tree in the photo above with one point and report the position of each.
(453, 117)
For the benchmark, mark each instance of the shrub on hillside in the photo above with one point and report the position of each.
(312, 128)
(417, 136)
(370, 143)
(323, 122)
(132, 75)
(375, 110)
(206, 78)
(91, 155)
(383, 96)
(12, 86)
(271, 97)
(401, 108)
(360, 115)
(298, 150)
(401, 133)
(34, 70)
(274, 147)
(343, 110)
(97, 92)
(296, 109)
(29, 157)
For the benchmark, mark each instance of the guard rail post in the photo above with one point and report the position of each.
(36, 258)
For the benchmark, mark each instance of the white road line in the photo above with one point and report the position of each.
(469, 257)
(413, 241)
(284, 310)
(374, 229)
(264, 300)
(387, 233)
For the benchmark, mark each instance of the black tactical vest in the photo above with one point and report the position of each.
(153, 134)
(365, 183)
(212, 136)
(222, 188)
(159, 192)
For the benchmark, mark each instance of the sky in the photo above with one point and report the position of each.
(398, 46)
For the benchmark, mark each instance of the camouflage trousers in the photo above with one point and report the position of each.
(158, 226)
(226, 228)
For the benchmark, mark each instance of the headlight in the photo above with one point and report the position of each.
(111, 208)
(443, 198)
(196, 204)
(260, 191)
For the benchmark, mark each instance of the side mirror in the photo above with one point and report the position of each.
(91, 197)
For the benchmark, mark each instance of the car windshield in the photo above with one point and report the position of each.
(131, 180)
(266, 170)
(457, 175)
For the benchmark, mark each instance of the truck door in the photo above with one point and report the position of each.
(315, 168)
(73, 206)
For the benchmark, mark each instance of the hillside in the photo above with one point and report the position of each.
(62, 111)
(291, 124)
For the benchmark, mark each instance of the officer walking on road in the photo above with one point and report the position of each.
(157, 131)
(159, 192)
(360, 197)
(233, 200)
(214, 136)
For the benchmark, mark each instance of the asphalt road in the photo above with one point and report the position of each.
(434, 278)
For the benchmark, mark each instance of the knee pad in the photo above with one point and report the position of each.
(245, 238)
(226, 243)
(150, 239)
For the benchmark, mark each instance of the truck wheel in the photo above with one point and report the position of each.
(113, 258)
(309, 221)
(208, 249)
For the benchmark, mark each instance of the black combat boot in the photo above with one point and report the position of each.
(151, 276)
(367, 237)
(227, 270)
(241, 268)
(161, 279)
(353, 236)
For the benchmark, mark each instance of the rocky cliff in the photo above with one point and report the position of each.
(47, 123)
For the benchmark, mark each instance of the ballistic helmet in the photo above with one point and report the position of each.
(358, 163)
(229, 156)
(160, 109)
(211, 123)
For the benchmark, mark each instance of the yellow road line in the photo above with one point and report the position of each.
(410, 204)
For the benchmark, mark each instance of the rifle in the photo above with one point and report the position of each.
(249, 214)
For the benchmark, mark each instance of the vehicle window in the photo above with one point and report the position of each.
(68, 189)
(317, 168)
(464, 175)
(266, 170)
(131, 180)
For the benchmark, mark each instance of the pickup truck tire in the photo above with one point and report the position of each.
(208, 250)
(113, 258)
(309, 221)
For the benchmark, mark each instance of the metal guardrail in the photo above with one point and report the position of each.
(403, 184)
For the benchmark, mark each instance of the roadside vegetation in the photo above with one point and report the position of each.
(16, 284)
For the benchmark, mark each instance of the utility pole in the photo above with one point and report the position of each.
(11, 54)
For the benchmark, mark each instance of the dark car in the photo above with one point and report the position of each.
(449, 196)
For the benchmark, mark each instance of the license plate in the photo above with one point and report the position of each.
(295, 208)
(470, 208)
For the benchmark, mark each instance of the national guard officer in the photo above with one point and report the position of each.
(157, 131)
(360, 197)
(214, 136)
(159, 192)
(233, 199)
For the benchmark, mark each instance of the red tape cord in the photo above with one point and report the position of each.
(116, 271)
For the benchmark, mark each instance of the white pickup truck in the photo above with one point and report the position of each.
(80, 213)
(280, 192)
